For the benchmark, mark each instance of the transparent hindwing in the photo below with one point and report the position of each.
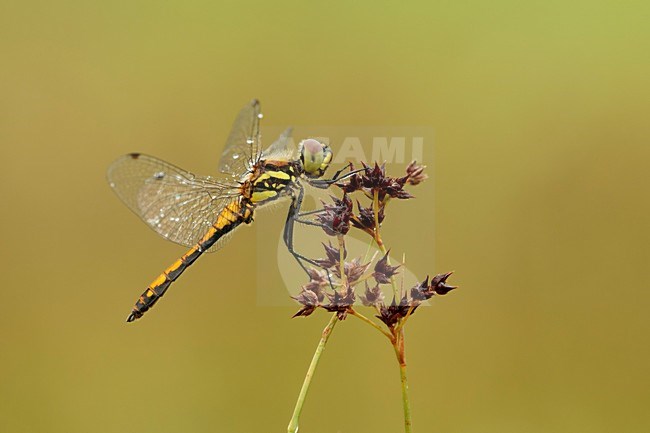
(176, 204)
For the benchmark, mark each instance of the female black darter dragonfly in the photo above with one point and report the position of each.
(202, 212)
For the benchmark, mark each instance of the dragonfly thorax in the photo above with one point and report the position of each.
(272, 180)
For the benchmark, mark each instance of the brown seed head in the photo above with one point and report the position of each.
(415, 173)
(372, 296)
(335, 218)
(383, 271)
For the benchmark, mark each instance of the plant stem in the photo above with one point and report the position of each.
(344, 278)
(293, 424)
(375, 207)
(360, 316)
(402, 322)
(401, 358)
(378, 240)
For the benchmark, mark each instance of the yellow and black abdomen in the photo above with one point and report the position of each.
(231, 216)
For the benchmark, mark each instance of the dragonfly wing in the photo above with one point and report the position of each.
(176, 204)
(242, 147)
(282, 149)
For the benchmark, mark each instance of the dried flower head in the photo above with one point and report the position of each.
(383, 271)
(365, 220)
(352, 183)
(335, 218)
(374, 180)
(372, 296)
(353, 270)
(415, 173)
(426, 290)
(333, 257)
(317, 283)
(391, 314)
(309, 301)
(340, 302)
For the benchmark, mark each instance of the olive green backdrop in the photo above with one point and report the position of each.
(540, 113)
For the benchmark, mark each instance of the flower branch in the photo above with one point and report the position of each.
(337, 295)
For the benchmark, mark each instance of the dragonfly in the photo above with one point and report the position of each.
(202, 212)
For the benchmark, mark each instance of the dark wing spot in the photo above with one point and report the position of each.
(134, 155)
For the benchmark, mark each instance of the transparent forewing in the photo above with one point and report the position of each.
(242, 147)
(176, 204)
(282, 149)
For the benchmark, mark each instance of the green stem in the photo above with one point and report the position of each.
(405, 399)
(344, 278)
(293, 424)
(360, 316)
(399, 351)
(379, 241)
(382, 247)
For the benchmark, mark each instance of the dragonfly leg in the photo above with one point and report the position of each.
(306, 222)
(310, 212)
(338, 173)
(292, 218)
(325, 183)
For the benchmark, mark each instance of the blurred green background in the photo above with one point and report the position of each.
(540, 114)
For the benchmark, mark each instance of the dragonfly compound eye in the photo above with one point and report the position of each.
(315, 157)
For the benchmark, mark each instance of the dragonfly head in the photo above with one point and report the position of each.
(315, 157)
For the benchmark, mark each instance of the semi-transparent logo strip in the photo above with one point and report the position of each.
(279, 275)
